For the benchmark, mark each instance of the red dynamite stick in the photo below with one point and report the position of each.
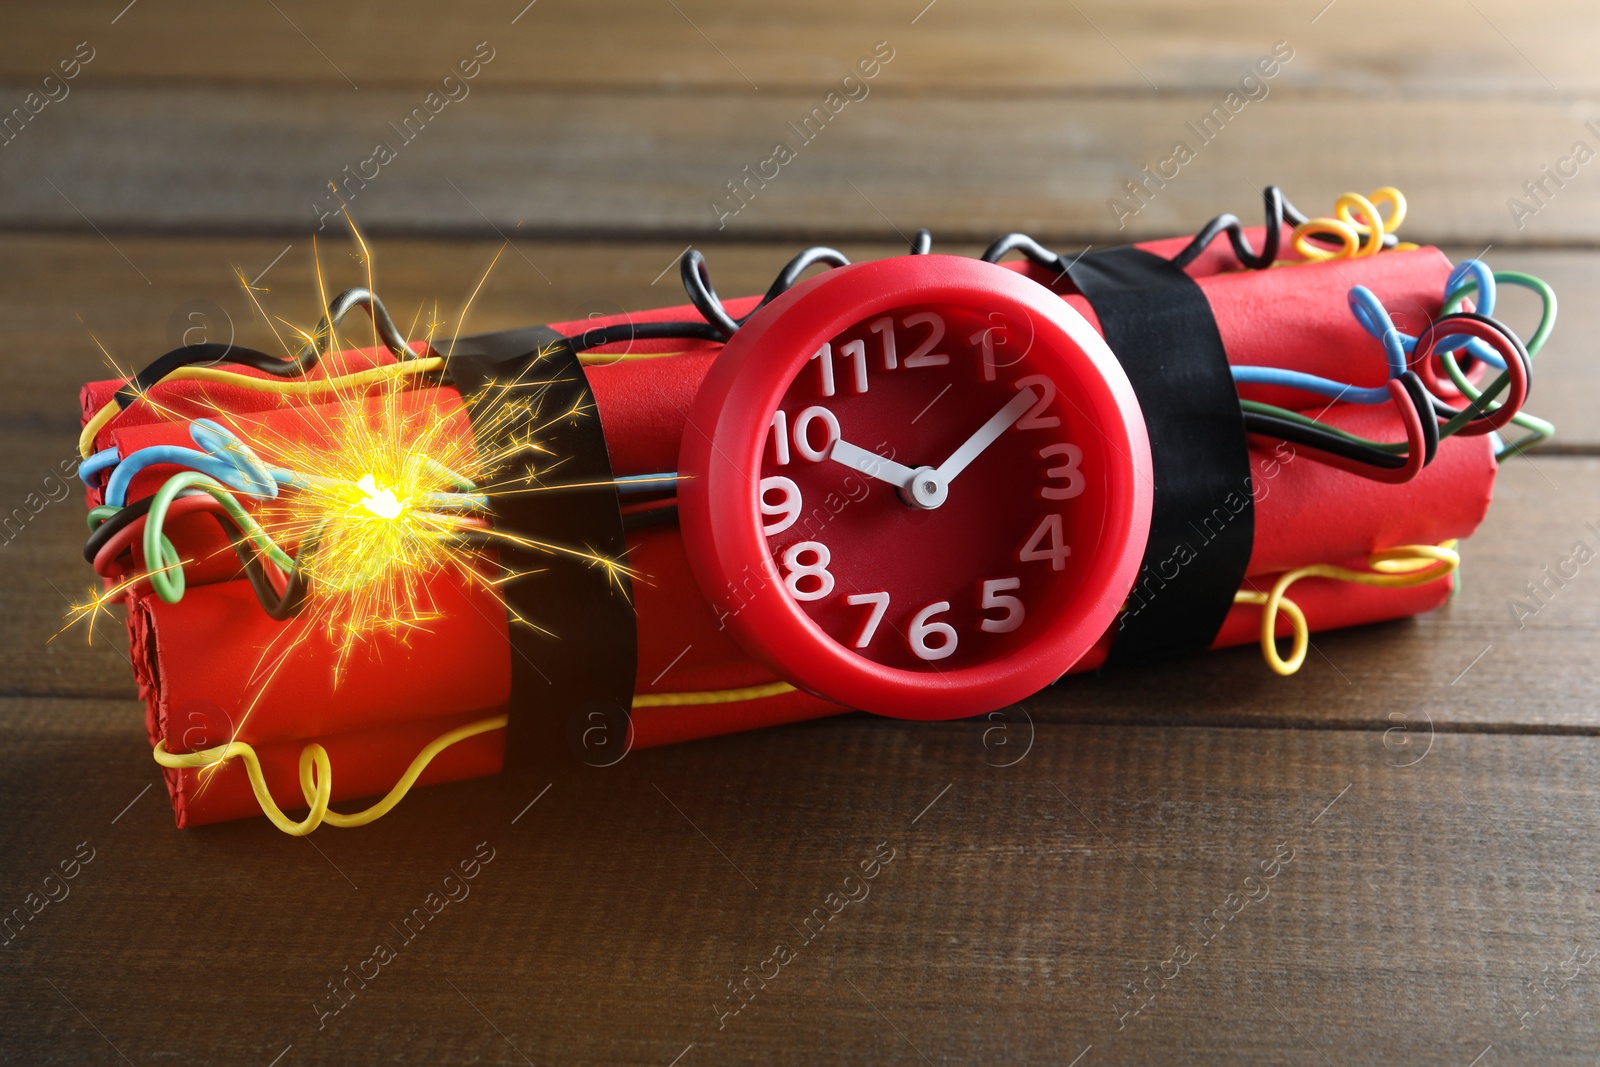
(1305, 513)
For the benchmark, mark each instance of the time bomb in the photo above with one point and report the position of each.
(926, 486)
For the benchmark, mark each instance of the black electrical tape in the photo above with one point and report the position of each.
(590, 655)
(1159, 324)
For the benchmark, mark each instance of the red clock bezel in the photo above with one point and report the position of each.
(725, 438)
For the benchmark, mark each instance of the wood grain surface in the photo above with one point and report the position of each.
(1388, 858)
(557, 162)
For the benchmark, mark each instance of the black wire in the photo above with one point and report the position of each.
(921, 242)
(637, 331)
(1481, 404)
(792, 270)
(1422, 403)
(302, 362)
(108, 529)
(1032, 250)
(696, 277)
(1277, 210)
(697, 283)
(1425, 404)
(1274, 205)
(1258, 422)
(719, 325)
(278, 605)
(206, 355)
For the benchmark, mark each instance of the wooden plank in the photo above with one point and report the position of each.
(1363, 46)
(660, 164)
(58, 294)
(1413, 916)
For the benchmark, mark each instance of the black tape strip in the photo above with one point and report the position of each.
(587, 667)
(1160, 325)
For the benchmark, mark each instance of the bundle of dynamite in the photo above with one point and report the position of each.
(926, 486)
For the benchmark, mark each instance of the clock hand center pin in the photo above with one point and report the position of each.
(928, 487)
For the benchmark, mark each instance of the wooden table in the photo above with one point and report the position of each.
(1424, 792)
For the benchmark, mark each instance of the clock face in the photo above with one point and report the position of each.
(923, 484)
(918, 486)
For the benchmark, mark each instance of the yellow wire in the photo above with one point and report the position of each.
(605, 359)
(712, 696)
(315, 386)
(316, 771)
(307, 386)
(280, 386)
(316, 777)
(1269, 647)
(1392, 568)
(1357, 223)
(92, 428)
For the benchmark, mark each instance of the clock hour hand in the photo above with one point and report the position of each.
(871, 464)
(986, 435)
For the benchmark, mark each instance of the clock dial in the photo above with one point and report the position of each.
(921, 487)
(917, 486)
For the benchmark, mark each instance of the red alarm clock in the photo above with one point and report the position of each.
(918, 486)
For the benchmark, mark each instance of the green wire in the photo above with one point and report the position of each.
(161, 559)
(1547, 320)
(1306, 420)
(1540, 430)
(1479, 403)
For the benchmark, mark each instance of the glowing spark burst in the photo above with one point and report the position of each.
(385, 490)
(380, 499)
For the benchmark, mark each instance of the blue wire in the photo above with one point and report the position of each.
(1484, 300)
(1482, 275)
(647, 483)
(231, 461)
(226, 458)
(1293, 379)
(96, 463)
(220, 469)
(1375, 319)
(447, 500)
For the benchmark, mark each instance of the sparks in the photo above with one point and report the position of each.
(383, 487)
(380, 499)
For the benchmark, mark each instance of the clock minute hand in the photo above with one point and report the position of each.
(871, 464)
(986, 435)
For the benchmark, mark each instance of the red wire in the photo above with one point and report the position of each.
(106, 561)
(1423, 363)
(1416, 446)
